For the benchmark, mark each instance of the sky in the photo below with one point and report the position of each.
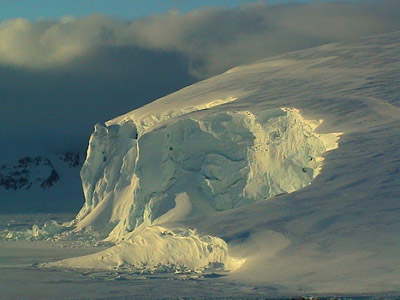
(34, 9)
(67, 65)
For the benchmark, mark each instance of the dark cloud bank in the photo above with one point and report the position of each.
(59, 77)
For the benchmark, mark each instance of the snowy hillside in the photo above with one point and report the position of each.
(40, 181)
(285, 171)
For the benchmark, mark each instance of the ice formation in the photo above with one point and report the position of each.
(145, 172)
(220, 160)
(158, 249)
(47, 231)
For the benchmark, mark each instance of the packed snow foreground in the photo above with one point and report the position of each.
(146, 170)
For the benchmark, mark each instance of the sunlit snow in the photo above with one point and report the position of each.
(283, 173)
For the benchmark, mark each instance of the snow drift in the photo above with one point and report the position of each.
(158, 249)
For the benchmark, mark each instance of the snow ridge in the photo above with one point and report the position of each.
(145, 122)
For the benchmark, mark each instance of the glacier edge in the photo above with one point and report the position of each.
(190, 166)
(221, 160)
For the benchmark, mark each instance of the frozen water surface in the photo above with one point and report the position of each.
(21, 279)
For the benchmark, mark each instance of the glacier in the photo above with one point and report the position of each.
(220, 160)
(195, 164)
(284, 171)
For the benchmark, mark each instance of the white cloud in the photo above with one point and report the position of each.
(213, 39)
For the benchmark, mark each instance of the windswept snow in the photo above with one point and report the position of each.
(151, 115)
(236, 173)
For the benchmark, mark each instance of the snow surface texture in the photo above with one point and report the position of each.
(226, 142)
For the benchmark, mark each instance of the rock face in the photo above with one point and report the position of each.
(37, 170)
(40, 181)
(221, 160)
(71, 158)
(27, 172)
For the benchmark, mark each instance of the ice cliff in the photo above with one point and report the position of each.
(145, 170)
(220, 160)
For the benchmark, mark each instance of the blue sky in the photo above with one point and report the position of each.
(33, 9)
(129, 9)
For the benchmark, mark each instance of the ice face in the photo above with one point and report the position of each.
(220, 160)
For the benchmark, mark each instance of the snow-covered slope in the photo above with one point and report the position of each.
(233, 173)
(39, 180)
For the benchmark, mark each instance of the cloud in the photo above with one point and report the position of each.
(57, 108)
(212, 39)
(59, 77)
